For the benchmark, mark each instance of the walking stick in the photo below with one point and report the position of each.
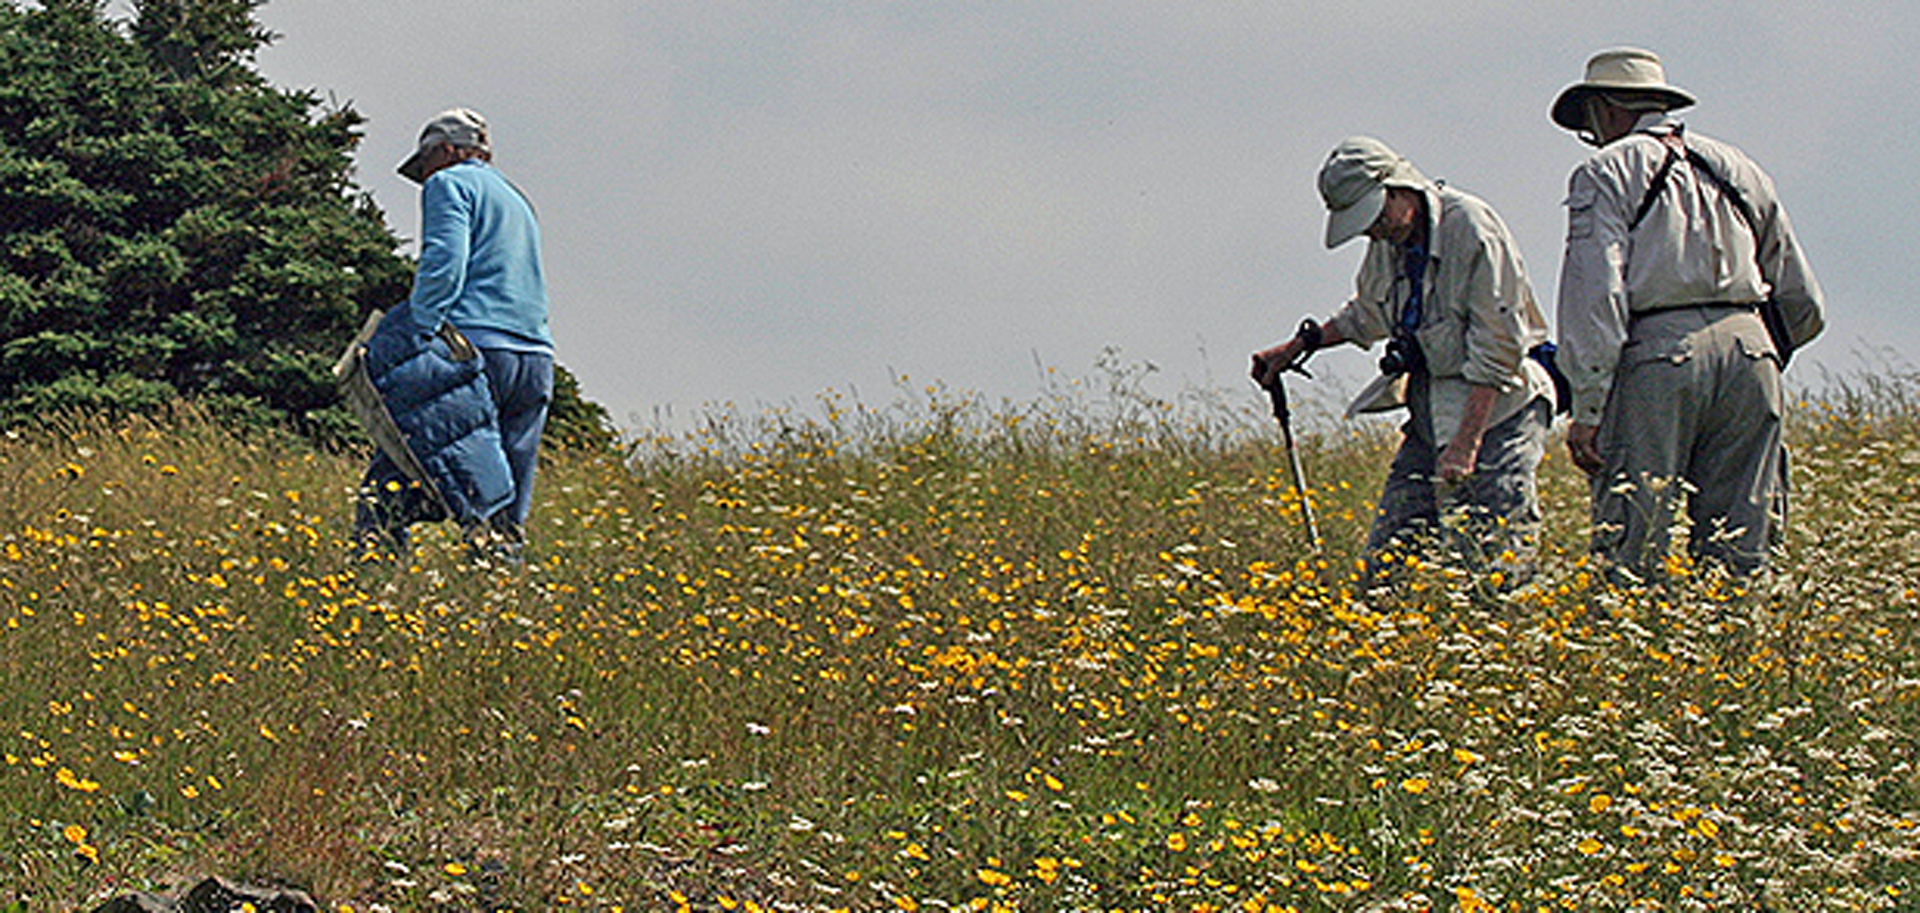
(1277, 391)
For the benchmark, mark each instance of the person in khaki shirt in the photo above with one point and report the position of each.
(1676, 247)
(1443, 282)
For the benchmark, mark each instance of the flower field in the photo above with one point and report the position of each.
(941, 656)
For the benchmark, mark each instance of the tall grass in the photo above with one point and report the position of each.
(942, 654)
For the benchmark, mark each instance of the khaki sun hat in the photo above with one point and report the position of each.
(1354, 184)
(1622, 70)
(464, 128)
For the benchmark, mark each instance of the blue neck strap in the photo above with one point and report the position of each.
(1416, 270)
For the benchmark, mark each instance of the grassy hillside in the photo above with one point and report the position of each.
(941, 656)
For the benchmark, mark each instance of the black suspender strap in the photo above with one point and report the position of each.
(1656, 185)
(1770, 312)
(1699, 163)
(1675, 145)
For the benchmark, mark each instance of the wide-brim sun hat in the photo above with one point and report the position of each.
(464, 128)
(1354, 182)
(1617, 70)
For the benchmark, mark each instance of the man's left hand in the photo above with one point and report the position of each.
(1463, 452)
(1583, 443)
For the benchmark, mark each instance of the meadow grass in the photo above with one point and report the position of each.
(1076, 655)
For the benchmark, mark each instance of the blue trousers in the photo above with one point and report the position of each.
(522, 384)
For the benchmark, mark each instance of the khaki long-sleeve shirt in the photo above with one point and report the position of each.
(1479, 317)
(1691, 247)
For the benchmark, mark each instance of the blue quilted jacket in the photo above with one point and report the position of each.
(439, 398)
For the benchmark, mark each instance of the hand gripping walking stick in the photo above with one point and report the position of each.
(1277, 391)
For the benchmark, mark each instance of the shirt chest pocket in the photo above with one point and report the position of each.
(1443, 340)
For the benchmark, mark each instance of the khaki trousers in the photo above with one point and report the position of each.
(1694, 415)
(1490, 520)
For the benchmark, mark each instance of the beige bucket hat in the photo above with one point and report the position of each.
(1354, 183)
(464, 128)
(1622, 70)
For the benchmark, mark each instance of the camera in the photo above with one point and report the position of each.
(1403, 356)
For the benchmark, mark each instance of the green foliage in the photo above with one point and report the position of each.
(172, 227)
(199, 39)
(575, 422)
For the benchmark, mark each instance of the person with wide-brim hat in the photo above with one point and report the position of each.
(1622, 74)
(1677, 252)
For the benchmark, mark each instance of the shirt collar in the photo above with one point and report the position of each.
(1657, 123)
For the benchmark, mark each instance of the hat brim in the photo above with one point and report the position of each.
(415, 167)
(1344, 225)
(1568, 109)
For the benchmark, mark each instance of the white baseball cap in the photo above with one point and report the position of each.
(464, 128)
(1354, 183)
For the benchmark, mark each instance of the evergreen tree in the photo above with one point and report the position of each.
(172, 227)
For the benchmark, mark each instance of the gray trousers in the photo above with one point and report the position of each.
(1489, 519)
(1694, 412)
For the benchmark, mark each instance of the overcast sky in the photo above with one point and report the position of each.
(754, 202)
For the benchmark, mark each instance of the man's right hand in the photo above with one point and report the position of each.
(1270, 362)
(1583, 443)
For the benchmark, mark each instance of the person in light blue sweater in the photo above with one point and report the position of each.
(480, 271)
